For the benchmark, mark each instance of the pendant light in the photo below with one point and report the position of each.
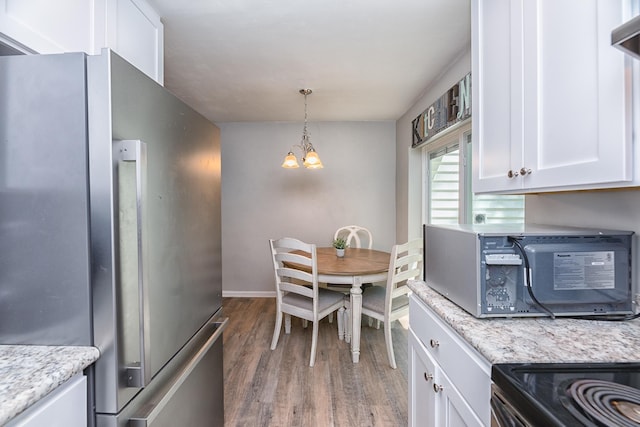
(310, 158)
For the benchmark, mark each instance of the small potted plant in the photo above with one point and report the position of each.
(340, 244)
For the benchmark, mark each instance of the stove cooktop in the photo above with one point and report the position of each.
(580, 394)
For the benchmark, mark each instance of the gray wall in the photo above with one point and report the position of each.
(261, 200)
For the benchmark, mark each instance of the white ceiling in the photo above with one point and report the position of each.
(246, 60)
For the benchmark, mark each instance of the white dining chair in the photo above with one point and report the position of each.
(297, 292)
(391, 302)
(354, 234)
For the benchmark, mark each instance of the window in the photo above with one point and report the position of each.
(450, 198)
(444, 185)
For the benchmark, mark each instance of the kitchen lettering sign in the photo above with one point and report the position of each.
(452, 107)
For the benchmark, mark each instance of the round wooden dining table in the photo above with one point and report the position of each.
(358, 266)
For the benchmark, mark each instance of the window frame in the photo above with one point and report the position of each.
(458, 135)
(454, 135)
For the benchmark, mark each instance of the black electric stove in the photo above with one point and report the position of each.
(559, 394)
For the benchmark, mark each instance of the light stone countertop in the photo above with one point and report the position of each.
(537, 340)
(29, 372)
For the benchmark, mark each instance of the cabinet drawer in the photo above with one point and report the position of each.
(469, 371)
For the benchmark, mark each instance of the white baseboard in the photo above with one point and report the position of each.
(248, 294)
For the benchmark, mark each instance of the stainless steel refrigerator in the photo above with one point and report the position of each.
(110, 234)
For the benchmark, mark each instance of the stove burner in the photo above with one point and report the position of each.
(628, 409)
(602, 402)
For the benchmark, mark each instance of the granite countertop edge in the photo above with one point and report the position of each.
(537, 340)
(30, 372)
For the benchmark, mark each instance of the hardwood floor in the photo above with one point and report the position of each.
(278, 388)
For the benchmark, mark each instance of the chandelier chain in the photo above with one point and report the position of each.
(305, 132)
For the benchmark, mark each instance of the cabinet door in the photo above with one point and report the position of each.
(550, 108)
(496, 94)
(132, 28)
(135, 32)
(454, 410)
(422, 398)
(575, 130)
(433, 399)
(44, 26)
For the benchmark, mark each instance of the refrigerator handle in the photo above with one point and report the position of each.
(138, 374)
(153, 411)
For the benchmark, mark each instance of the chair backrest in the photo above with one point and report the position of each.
(354, 233)
(303, 279)
(405, 263)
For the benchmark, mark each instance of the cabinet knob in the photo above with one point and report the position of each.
(437, 388)
(525, 171)
(428, 377)
(512, 174)
(434, 343)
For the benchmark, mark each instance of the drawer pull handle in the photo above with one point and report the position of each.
(434, 343)
(428, 377)
(437, 388)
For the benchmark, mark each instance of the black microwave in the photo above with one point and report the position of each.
(531, 269)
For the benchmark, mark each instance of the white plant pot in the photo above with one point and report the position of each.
(340, 252)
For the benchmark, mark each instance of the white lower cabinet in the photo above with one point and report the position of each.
(422, 370)
(66, 406)
(449, 381)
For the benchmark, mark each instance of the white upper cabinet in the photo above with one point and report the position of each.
(551, 99)
(130, 27)
(43, 26)
(134, 31)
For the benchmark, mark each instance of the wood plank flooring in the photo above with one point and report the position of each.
(278, 388)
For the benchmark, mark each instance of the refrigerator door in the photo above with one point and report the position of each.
(44, 225)
(150, 295)
(188, 392)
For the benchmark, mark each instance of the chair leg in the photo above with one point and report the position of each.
(314, 342)
(287, 324)
(347, 323)
(341, 323)
(305, 323)
(377, 324)
(276, 331)
(387, 338)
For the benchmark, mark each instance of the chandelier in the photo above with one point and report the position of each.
(310, 158)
